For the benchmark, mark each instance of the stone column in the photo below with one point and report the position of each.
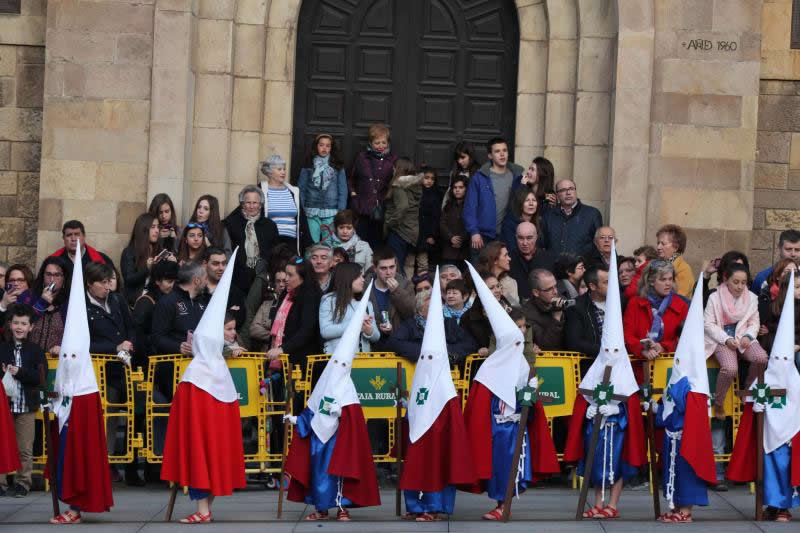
(96, 120)
(531, 81)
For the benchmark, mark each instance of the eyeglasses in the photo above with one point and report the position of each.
(53, 275)
(549, 289)
(566, 189)
(16, 280)
(606, 238)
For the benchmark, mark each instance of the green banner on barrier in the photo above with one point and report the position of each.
(551, 384)
(239, 376)
(376, 386)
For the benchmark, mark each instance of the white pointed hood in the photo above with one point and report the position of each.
(433, 385)
(335, 386)
(612, 342)
(690, 355)
(781, 424)
(75, 373)
(208, 370)
(506, 369)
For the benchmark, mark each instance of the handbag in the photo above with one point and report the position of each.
(376, 214)
(10, 386)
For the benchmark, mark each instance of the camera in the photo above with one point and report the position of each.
(563, 303)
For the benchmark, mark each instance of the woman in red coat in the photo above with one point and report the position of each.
(654, 317)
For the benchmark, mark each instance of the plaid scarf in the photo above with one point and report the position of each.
(279, 324)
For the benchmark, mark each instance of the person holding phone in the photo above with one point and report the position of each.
(653, 318)
(51, 285)
(145, 249)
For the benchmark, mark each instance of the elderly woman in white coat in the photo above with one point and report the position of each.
(338, 307)
(731, 327)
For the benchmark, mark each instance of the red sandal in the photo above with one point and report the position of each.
(495, 514)
(427, 517)
(343, 516)
(783, 516)
(608, 512)
(317, 515)
(594, 512)
(678, 518)
(197, 518)
(68, 517)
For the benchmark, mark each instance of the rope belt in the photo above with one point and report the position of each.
(608, 457)
(674, 437)
(521, 465)
(505, 419)
(339, 494)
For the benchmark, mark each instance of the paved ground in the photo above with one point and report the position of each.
(546, 510)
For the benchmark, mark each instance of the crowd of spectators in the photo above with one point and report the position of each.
(307, 253)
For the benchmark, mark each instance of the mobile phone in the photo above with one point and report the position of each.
(163, 253)
(715, 262)
(51, 287)
(9, 287)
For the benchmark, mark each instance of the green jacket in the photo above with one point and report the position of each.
(402, 208)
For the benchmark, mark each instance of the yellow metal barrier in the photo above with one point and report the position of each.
(258, 411)
(116, 399)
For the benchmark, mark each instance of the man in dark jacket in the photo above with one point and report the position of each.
(391, 293)
(570, 226)
(526, 258)
(544, 311)
(584, 320)
(600, 254)
(488, 194)
(73, 231)
(111, 327)
(216, 260)
(25, 361)
(180, 311)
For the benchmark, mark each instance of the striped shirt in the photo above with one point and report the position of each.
(282, 211)
(18, 405)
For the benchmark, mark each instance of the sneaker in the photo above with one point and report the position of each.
(20, 491)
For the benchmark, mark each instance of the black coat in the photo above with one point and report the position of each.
(582, 332)
(133, 277)
(301, 336)
(173, 316)
(406, 341)
(32, 372)
(573, 234)
(430, 210)
(267, 236)
(142, 316)
(521, 269)
(108, 329)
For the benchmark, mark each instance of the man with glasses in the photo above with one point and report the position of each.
(544, 311)
(321, 257)
(527, 257)
(600, 255)
(571, 225)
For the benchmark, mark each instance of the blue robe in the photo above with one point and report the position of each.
(504, 438)
(324, 487)
(689, 489)
(778, 490)
(621, 468)
(443, 501)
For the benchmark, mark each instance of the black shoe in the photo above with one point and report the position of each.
(20, 491)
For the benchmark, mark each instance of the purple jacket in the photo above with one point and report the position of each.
(370, 179)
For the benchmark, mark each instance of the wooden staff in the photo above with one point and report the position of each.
(399, 438)
(173, 491)
(651, 442)
(589, 460)
(773, 393)
(51, 458)
(512, 475)
(286, 428)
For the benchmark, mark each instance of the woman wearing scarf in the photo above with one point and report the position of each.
(731, 327)
(253, 232)
(653, 318)
(323, 187)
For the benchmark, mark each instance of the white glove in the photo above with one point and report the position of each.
(654, 406)
(125, 357)
(533, 383)
(759, 407)
(291, 419)
(336, 409)
(591, 411)
(609, 410)
(645, 406)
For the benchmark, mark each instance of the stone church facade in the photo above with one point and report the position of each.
(682, 111)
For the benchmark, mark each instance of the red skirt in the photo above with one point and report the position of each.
(9, 452)
(203, 449)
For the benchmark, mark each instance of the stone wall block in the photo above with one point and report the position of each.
(715, 110)
(279, 63)
(28, 201)
(12, 230)
(562, 19)
(50, 217)
(170, 89)
(716, 143)
(174, 5)
(105, 17)
(794, 152)
(166, 140)
(275, 143)
(121, 180)
(794, 180)
(629, 128)
(781, 219)
(210, 154)
(772, 199)
(30, 86)
(21, 254)
(5, 155)
(561, 157)
(775, 29)
(98, 145)
(671, 108)
(244, 157)
(8, 182)
(68, 180)
(127, 213)
(96, 216)
(251, 11)
(598, 18)
(216, 188)
(773, 147)
(171, 42)
(724, 174)
(283, 14)
(18, 124)
(592, 115)
(31, 55)
(684, 14)
(136, 49)
(249, 50)
(216, 9)
(707, 77)
(779, 87)
(532, 62)
(79, 46)
(779, 113)
(247, 104)
(530, 129)
(635, 69)
(634, 15)
(213, 46)
(8, 92)
(562, 66)
(665, 44)
(738, 15)
(706, 208)
(762, 240)
(771, 176)
(126, 114)
(590, 173)
(8, 60)
(278, 97)
(23, 30)
(595, 64)
(532, 22)
(212, 105)
(117, 81)
(759, 218)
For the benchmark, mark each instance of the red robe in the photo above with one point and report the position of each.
(9, 452)
(634, 451)
(441, 457)
(478, 419)
(696, 449)
(86, 477)
(351, 460)
(742, 467)
(203, 449)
